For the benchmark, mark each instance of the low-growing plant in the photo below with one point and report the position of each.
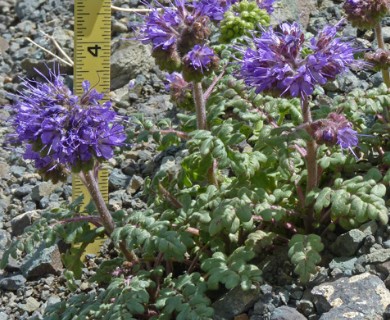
(264, 159)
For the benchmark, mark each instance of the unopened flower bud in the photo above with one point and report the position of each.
(335, 129)
(192, 34)
(180, 90)
(380, 59)
(168, 60)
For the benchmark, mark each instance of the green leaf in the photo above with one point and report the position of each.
(304, 254)
(244, 213)
(379, 190)
(340, 203)
(260, 239)
(323, 199)
(374, 174)
(216, 226)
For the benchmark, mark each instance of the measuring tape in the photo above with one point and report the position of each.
(92, 51)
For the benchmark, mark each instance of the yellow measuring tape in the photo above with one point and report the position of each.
(92, 51)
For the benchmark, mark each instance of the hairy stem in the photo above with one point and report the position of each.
(311, 163)
(200, 106)
(91, 219)
(212, 173)
(381, 45)
(92, 186)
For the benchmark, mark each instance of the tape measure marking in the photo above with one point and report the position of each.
(92, 52)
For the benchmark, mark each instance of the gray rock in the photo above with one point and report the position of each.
(42, 189)
(63, 36)
(42, 262)
(377, 256)
(21, 221)
(306, 307)
(348, 243)
(386, 244)
(29, 206)
(22, 191)
(136, 182)
(17, 171)
(386, 33)
(13, 265)
(13, 283)
(286, 313)
(361, 294)
(157, 107)
(4, 170)
(129, 59)
(119, 27)
(349, 81)
(293, 10)
(144, 155)
(345, 264)
(369, 228)
(234, 303)
(3, 316)
(44, 202)
(5, 240)
(117, 180)
(115, 201)
(30, 306)
(25, 8)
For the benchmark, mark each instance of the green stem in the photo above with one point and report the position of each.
(200, 106)
(381, 45)
(90, 182)
(311, 164)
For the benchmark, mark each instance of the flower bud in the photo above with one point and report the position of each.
(197, 32)
(335, 129)
(380, 59)
(168, 60)
(242, 18)
(180, 91)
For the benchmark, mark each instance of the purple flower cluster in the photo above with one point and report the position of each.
(366, 14)
(281, 64)
(60, 128)
(164, 27)
(178, 32)
(267, 5)
(161, 28)
(214, 9)
(200, 57)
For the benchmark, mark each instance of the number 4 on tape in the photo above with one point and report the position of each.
(92, 51)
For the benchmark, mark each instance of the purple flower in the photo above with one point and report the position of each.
(161, 28)
(365, 14)
(347, 138)
(281, 64)
(165, 28)
(61, 129)
(200, 57)
(176, 83)
(267, 5)
(214, 9)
